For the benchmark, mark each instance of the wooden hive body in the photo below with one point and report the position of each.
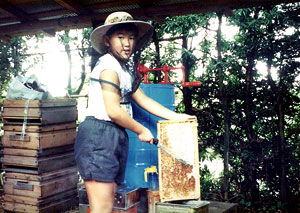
(39, 112)
(38, 155)
(39, 137)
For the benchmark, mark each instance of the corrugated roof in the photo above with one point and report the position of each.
(20, 17)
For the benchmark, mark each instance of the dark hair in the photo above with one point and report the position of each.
(124, 26)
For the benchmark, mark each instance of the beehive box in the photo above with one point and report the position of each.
(40, 186)
(39, 112)
(34, 164)
(38, 152)
(178, 181)
(191, 206)
(39, 137)
(56, 203)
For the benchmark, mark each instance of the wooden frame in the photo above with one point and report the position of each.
(178, 181)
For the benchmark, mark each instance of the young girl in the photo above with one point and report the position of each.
(102, 144)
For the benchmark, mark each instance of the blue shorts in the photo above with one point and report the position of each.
(101, 150)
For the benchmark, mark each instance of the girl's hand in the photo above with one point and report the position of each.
(184, 116)
(146, 136)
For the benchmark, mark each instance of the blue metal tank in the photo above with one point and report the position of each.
(143, 155)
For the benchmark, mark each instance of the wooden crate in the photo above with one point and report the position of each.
(37, 165)
(153, 198)
(178, 181)
(191, 206)
(84, 208)
(57, 203)
(125, 197)
(39, 137)
(40, 186)
(39, 112)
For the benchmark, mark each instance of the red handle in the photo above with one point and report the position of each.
(191, 84)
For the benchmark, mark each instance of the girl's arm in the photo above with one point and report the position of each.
(111, 98)
(155, 108)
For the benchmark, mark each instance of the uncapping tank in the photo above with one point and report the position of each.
(143, 155)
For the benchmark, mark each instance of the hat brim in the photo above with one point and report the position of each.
(145, 31)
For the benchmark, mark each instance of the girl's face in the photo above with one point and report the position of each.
(121, 44)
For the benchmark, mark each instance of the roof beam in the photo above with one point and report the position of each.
(16, 13)
(21, 16)
(73, 6)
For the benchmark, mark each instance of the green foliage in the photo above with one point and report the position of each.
(210, 187)
(12, 56)
(255, 100)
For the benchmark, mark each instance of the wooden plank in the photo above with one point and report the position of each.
(40, 140)
(38, 189)
(153, 198)
(40, 112)
(191, 206)
(58, 206)
(38, 128)
(19, 112)
(60, 115)
(178, 181)
(38, 165)
(40, 103)
(41, 177)
(39, 202)
(39, 116)
(38, 152)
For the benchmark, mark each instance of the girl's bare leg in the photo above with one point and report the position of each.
(101, 195)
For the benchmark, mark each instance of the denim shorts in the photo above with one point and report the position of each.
(101, 150)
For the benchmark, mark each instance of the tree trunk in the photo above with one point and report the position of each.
(83, 75)
(224, 100)
(250, 165)
(68, 51)
(283, 184)
(158, 76)
(280, 113)
(187, 94)
(281, 142)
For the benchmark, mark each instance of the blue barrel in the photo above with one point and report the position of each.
(143, 155)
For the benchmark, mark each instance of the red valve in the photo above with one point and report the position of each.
(142, 69)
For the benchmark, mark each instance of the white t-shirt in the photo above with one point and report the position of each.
(96, 105)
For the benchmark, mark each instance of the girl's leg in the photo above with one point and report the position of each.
(101, 195)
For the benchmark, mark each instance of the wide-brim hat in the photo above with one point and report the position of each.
(145, 30)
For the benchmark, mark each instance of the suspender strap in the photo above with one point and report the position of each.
(107, 82)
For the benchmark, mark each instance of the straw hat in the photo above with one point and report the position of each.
(145, 30)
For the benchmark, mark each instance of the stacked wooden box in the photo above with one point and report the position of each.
(38, 155)
(126, 199)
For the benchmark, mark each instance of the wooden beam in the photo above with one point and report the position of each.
(14, 2)
(38, 26)
(21, 16)
(16, 13)
(73, 6)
